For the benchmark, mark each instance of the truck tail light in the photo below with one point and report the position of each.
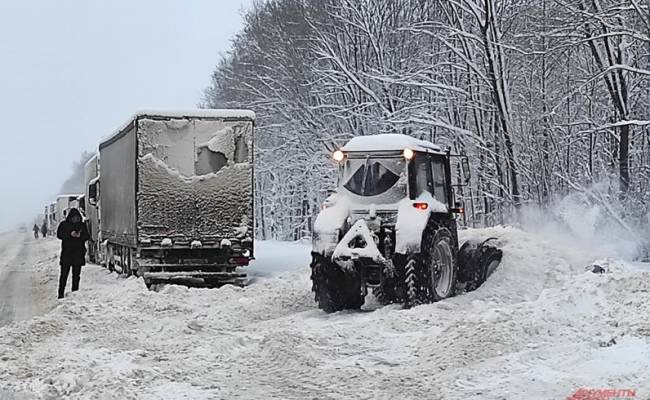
(239, 260)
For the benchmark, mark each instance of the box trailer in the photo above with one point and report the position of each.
(177, 196)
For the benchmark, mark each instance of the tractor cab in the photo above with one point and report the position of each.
(402, 167)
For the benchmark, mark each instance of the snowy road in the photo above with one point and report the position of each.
(540, 328)
(24, 292)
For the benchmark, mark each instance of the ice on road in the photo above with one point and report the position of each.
(541, 328)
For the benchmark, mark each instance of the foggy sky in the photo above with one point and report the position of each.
(71, 71)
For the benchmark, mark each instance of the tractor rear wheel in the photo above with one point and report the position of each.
(335, 289)
(432, 276)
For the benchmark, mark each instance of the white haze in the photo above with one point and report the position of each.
(74, 70)
(588, 222)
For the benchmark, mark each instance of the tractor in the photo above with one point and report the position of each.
(391, 226)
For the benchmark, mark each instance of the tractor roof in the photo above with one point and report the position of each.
(390, 142)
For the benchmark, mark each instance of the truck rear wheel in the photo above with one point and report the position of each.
(334, 288)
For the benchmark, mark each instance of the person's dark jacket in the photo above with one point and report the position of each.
(73, 249)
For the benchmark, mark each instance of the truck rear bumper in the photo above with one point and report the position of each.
(197, 278)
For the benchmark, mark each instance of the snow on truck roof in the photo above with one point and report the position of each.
(389, 142)
(179, 114)
(197, 113)
(92, 160)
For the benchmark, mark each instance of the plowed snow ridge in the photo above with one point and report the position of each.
(540, 328)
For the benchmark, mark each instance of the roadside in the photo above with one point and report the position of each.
(28, 272)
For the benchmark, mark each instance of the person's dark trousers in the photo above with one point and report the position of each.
(63, 279)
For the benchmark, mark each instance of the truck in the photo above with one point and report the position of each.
(91, 187)
(46, 218)
(177, 197)
(64, 202)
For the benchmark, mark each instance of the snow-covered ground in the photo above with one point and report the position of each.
(28, 270)
(540, 328)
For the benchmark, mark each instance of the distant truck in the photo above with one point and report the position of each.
(91, 185)
(46, 218)
(176, 197)
(64, 202)
(51, 219)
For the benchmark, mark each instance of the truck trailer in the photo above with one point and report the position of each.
(177, 196)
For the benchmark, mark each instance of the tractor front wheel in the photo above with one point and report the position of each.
(335, 289)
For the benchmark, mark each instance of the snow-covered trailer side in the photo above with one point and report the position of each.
(177, 195)
(91, 187)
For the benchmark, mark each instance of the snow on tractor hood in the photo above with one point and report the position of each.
(389, 142)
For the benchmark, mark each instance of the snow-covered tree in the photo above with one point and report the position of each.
(547, 96)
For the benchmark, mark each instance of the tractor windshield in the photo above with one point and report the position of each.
(372, 176)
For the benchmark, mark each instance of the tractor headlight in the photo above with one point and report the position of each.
(338, 156)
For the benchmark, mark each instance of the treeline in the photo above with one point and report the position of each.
(75, 182)
(546, 96)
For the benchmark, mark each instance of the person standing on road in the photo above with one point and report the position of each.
(44, 228)
(36, 230)
(73, 234)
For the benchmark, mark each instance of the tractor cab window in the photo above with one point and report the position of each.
(371, 177)
(423, 181)
(430, 177)
(439, 181)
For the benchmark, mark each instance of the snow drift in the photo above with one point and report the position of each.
(540, 328)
